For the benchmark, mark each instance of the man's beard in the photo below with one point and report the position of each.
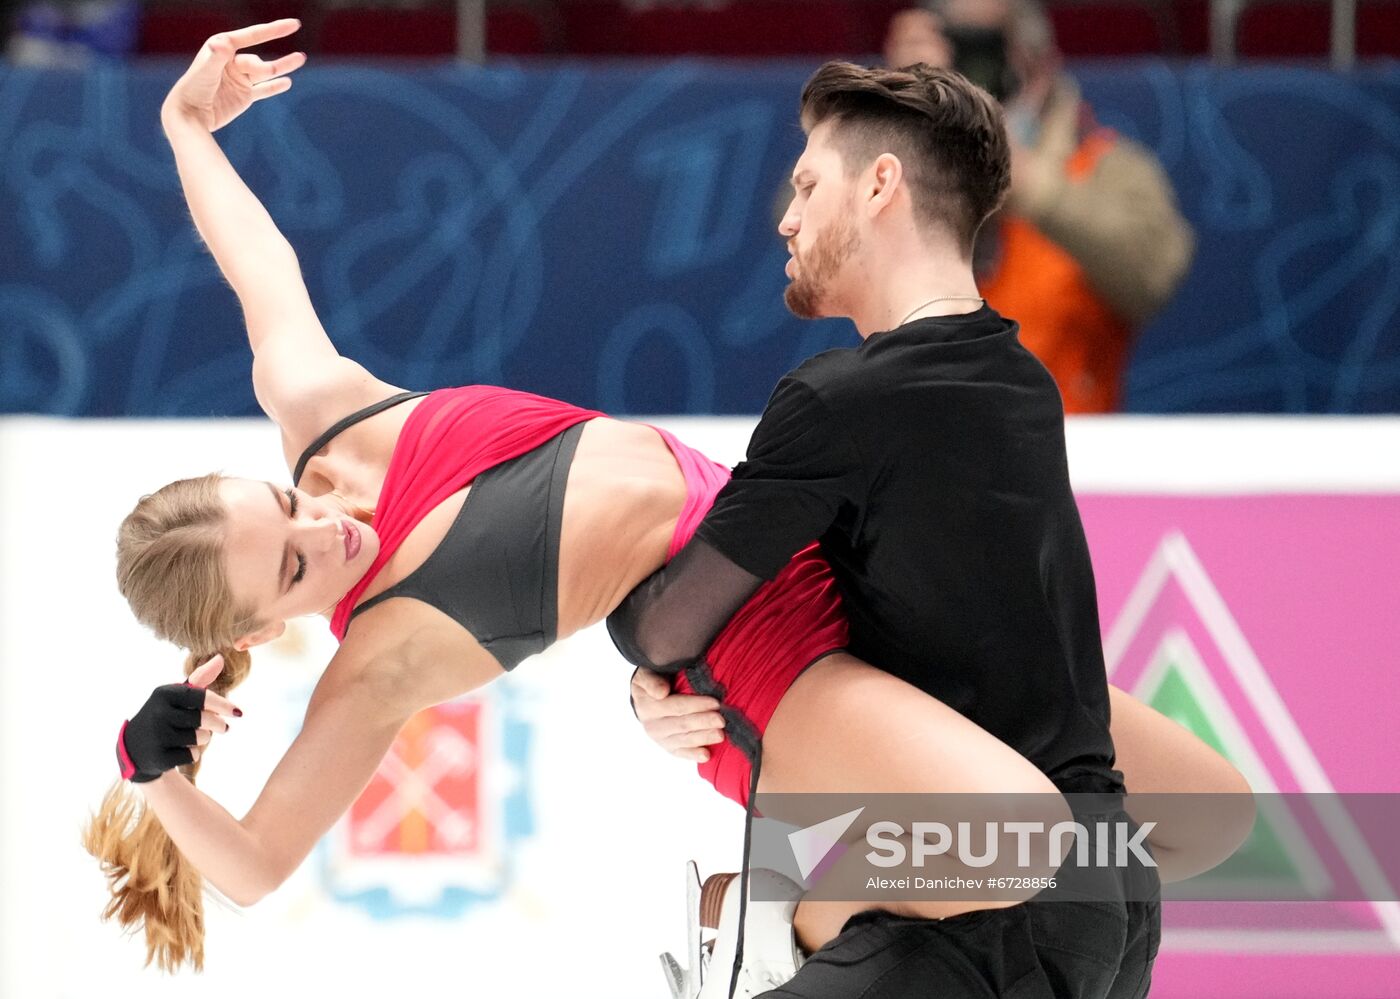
(806, 295)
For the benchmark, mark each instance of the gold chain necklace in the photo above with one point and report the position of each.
(934, 301)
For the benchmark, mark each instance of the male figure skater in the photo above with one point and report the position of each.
(930, 461)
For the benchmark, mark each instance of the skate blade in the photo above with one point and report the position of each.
(676, 978)
(694, 939)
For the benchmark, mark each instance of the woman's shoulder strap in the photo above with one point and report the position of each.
(341, 425)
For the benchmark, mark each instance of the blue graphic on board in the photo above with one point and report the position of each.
(606, 233)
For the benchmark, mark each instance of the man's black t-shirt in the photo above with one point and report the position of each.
(930, 461)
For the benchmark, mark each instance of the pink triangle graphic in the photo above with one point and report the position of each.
(1176, 618)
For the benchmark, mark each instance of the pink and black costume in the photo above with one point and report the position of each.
(496, 570)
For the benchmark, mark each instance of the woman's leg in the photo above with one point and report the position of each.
(846, 727)
(1159, 757)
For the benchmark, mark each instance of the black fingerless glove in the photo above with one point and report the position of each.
(159, 736)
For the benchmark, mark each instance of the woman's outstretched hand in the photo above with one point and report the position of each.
(221, 83)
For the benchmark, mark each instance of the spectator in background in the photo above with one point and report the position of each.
(1090, 245)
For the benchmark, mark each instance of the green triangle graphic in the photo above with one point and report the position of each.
(1262, 857)
(1174, 699)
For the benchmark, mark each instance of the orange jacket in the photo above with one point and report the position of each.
(1090, 248)
(1064, 321)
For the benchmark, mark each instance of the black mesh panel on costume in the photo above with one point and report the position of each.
(669, 620)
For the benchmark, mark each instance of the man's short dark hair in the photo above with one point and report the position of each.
(947, 132)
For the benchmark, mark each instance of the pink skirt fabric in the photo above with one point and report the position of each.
(703, 481)
(788, 624)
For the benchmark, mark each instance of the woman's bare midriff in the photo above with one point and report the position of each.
(624, 497)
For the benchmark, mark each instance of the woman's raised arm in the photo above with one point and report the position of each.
(294, 361)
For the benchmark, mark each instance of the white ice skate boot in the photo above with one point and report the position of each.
(771, 954)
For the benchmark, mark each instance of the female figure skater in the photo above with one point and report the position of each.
(448, 535)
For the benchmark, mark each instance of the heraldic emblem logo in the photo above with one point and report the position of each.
(432, 834)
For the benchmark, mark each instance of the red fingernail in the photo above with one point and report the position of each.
(237, 713)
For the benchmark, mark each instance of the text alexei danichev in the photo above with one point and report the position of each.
(889, 884)
(956, 883)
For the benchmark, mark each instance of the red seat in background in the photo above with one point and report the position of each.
(1107, 29)
(180, 30)
(1268, 29)
(261, 11)
(760, 28)
(1284, 30)
(389, 32)
(517, 31)
(749, 28)
(1378, 29)
(1297, 29)
(1192, 26)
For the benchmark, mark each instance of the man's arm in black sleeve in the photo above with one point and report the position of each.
(800, 470)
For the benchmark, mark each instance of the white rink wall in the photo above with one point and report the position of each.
(583, 902)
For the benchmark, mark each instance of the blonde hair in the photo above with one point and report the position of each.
(170, 568)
